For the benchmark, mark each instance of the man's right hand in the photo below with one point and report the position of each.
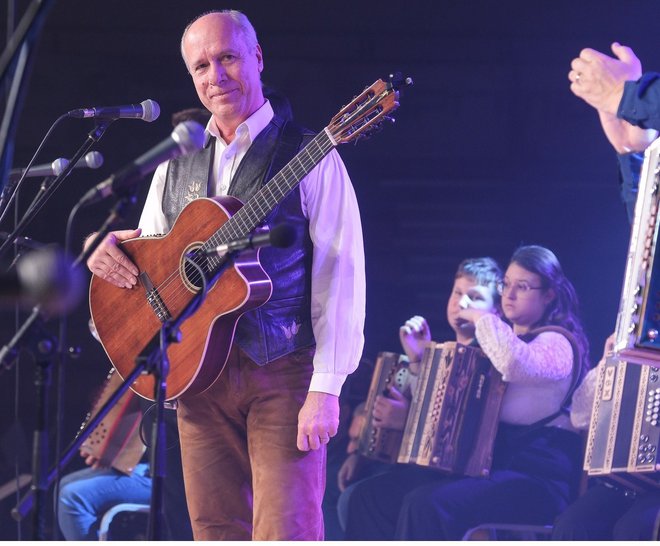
(110, 263)
(413, 335)
(598, 78)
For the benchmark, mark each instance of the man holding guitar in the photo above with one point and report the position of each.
(253, 436)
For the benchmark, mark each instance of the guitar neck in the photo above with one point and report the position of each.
(270, 195)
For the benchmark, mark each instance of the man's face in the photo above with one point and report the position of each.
(225, 70)
(480, 297)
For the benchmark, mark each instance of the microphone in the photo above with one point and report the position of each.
(187, 137)
(147, 110)
(43, 277)
(281, 236)
(92, 160)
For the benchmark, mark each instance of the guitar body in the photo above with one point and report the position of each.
(126, 321)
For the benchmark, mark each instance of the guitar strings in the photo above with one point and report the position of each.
(324, 145)
(247, 217)
(324, 142)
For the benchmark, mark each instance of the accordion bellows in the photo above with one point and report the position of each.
(454, 412)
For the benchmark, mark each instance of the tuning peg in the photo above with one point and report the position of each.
(397, 80)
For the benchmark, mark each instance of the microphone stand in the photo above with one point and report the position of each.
(159, 366)
(32, 331)
(34, 323)
(153, 359)
(94, 136)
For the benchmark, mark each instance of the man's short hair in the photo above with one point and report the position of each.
(239, 19)
(485, 271)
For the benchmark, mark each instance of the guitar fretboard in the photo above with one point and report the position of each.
(271, 194)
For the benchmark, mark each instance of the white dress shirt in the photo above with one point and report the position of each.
(338, 282)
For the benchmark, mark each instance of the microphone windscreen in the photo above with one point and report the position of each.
(151, 110)
(93, 160)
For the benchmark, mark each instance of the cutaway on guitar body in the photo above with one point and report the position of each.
(128, 319)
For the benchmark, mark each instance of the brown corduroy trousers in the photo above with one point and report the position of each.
(244, 476)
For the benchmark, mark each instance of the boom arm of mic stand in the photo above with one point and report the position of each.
(93, 137)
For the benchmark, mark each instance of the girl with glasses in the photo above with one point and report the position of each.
(540, 348)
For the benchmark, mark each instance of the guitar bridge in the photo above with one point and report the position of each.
(154, 299)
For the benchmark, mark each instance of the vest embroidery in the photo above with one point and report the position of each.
(292, 330)
(193, 191)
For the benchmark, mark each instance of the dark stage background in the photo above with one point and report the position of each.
(490, 149)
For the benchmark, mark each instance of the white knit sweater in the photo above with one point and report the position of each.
(538, 373)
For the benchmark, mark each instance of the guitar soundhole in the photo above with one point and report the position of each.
(190, 275)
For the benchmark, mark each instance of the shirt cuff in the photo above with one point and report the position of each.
(327, 382)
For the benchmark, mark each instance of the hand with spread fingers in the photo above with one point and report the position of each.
(318, 420)
(598, 78)
(110, 263)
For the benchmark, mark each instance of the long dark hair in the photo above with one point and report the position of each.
(564, 309)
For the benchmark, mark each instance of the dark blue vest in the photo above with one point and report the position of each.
(283, 324)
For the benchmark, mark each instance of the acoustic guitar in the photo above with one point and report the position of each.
(127, 321)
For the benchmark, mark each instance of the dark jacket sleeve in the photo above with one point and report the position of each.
(640, 104)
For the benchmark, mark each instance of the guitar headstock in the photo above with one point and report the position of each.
(366, 113)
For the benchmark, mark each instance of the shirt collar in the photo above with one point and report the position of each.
(253, 125)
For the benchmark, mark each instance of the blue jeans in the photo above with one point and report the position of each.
(87, 494)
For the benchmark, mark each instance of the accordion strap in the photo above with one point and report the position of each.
(565, 407)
